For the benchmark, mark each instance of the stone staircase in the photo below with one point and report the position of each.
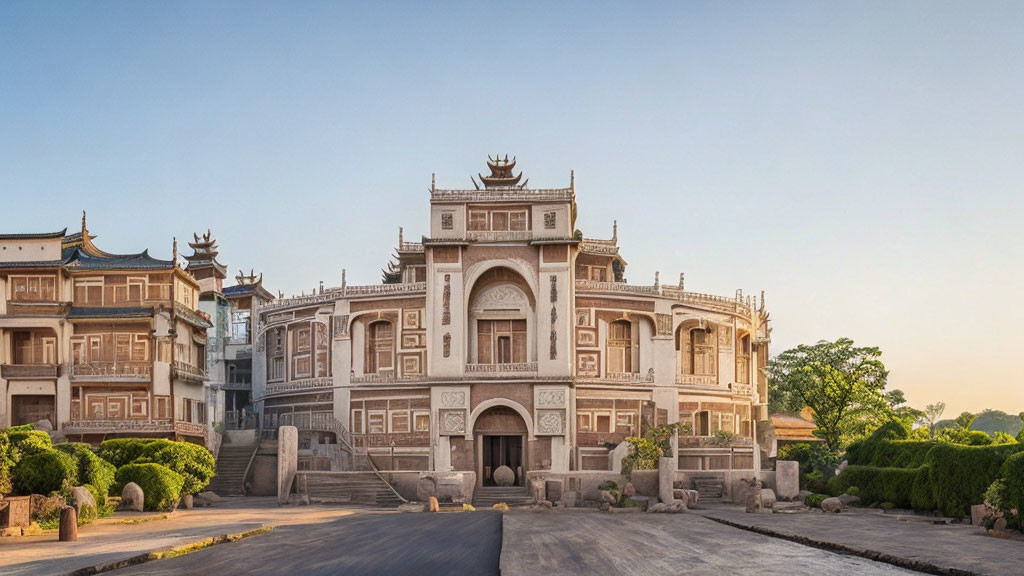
(365, 488)
(709, 488)
(487, 496)
(232, 462)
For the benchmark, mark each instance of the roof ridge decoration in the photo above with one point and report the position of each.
(249, 280)
(35, 235)
(501, 174)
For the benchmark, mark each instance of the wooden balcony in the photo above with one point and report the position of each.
(188, 372)
(29, 371)
(112, 372)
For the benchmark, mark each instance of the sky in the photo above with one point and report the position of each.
(860, 162)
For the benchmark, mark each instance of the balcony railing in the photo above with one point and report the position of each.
(620, 377)
(383, 377)
(16, 371)
(499, 235)
(110, 426)
(119, 371)
(189, 428)
(300, 384)
(503, 369)
(714, 442)
(188, 372)
(397, 439)
(697, 380)
(718, 303)
(500, 195)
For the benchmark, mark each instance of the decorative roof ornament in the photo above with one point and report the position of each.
(203, 247)
(250, 279)
(501, 174)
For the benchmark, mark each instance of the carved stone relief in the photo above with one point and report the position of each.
(500, 297)
(550, 422)
(446, 314)
(447, 345)
(453, 422)
(341, 326)
(456, 398)
(664, 322)
(551, 398)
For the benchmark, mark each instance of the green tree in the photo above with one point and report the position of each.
(964, 420)
(841, 383)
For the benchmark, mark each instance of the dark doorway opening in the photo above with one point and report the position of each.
(502, 451)
(31, 408)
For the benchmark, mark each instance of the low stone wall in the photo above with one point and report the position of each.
(645, 481)
(730, 478)
(445, 486)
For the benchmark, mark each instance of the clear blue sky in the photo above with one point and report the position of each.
(860, 161)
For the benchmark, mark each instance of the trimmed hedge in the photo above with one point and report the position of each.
(29, 442)
(92, 470)
(922, 494)
(899, 454)
(876, 484)
(814, 500)
(161, 486)
(45, 472)
(122, 451)
(960, 474)
(193, 462)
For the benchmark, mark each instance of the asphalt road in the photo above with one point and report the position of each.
(364, 544)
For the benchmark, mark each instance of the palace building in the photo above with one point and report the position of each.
(101, 345)
(505, 338)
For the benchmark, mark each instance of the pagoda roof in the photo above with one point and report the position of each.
(247, 290)
(34, 235)
(83, 260)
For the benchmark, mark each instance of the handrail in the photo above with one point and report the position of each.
(344, 436)
(248, 466)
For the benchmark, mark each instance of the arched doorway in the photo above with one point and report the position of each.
(501, 438)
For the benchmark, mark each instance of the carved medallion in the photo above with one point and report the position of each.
(551, 398)
(549, 422)
(453, 422)
(454, 398)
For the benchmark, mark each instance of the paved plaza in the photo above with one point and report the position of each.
(325, 540)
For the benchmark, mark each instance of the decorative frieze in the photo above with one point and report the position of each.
(446, 301)
(447, 344)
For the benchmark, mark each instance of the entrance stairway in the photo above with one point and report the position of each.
(366, 488)
(232, 464)
(487, 496)
(709, 488)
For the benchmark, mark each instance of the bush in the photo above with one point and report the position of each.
(813, 481)
(960, 474)
(852, 491)
(192, 461)
(897, 454)
(815, 500)
(121, 451)
(862, 452)
(6, 463)
(28, 442)
(811, 457)
(45, 472)
(92, 470)
(1007, 493)
(97, 495)
(921, 496)
(878, 484)
(161, 486)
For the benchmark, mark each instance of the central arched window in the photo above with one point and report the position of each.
(621, 348)
(380, 347)
(702, 357)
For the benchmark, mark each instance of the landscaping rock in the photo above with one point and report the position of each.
(205, 499)
(834, 505)
(187, 501)
(44, 426)
(659, 507)
(767, 498)
(546, 504)
(849, 500)
(802, 495)
(689, 498)
(80, 496)
(842, 466)
(132, 498)
(504, 476)
(413, 507)
(434, 506)
(676, 508)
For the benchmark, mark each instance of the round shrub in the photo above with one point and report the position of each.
(852, 491)
(121, 451)
(45, 472)
(161, 486)
(194, 462)
(92, 470)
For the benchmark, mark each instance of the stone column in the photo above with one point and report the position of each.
(666, 475)
(287, 460)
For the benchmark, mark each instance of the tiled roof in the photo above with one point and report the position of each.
(34, 236)
(141, 261)
(118, 312)
(239, 289)
(32, 264)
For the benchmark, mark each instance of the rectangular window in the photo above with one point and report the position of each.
(585, 421)
(499, 221)
(604, 423)
(477, 220)
(400, 421)
(357, 422)
(501, 341)
(421, 421)
(375, 421)
(517, 221)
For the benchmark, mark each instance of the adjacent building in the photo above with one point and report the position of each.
(506, 338)
(100, 344)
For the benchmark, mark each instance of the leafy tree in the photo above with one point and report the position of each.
(964, 420)
(932, 413)
(841, 383)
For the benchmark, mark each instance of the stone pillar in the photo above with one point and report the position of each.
(287, 460)
(68, 527)
(666, 475)
(787, 479)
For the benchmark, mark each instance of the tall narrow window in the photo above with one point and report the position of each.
(620, 347)
(702, 352)
(703, 424)
(379, 347)
(743, 359)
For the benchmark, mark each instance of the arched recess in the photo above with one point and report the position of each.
(501, 318)
(743, 344)
(362, 340)
(697, 348)
(493, 402)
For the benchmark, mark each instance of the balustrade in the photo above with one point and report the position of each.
(137, 371)
(14, 371)
(509, 368)
(300, 384)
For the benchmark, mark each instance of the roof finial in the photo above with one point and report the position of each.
(83, 224)
(762, 301)
(572, 179)
(400, 238)
(433, 180)
(615, 230)
(682, 281)
(174, 252)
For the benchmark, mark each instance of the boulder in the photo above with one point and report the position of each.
(413, 507)
(676, 508)
(999, 525)
(689, 498)
(187, 501)
(205, 499)
(834, 505)
(504, 476)
(80, 496)
(546, 504)
(849, 500)
(842, 466)
(803, 494)
(44, 425)
(767, 498)
(434, 506)
(132, 498)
